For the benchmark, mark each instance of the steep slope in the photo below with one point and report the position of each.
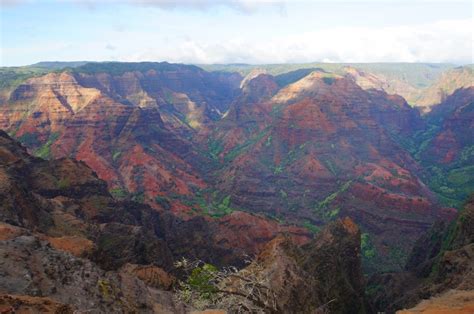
(322, 276)
(305, 147)
(445, 85)
(67, 245)
(439, 268)
(422, 85)
(65, 202)
(323, 147)
(446, 147)
(129, 122)
(368, 80)
(40, 279)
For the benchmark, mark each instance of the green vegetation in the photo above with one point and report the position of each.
(312, 228)
(268, 142)
(200, 280)
(452, 182)
(330, 166)
(293, 76)
(450, 238)
(45, 150)
(223, 207)
(214, 147)
(419, 75)
(57, 65)
(325, 210)
(29, 140)
(372, 290)
(63, 183)
(138, 197)
(119, 68)
(278, 169)
(325, 203)
(11, 77)
(399, 257)
(207, 202)
(118, 193)
(367, 247)
(163, 201)
(104, 288)
(116, 155)
(328, 80)
(236, 151)
(291, 157)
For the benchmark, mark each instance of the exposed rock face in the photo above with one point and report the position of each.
(446, 85)
(55, 214)
(441, 260)
(424, 98)
(453, 301)
(66, 202)
(457, 123)
(306, 148)
(323, 275)
(27, 304)
(34, 275)
(129, 123)
(226, 241)
(323, 147)
(333, 258)
(447, 146)
(367, 80)
(153, 276)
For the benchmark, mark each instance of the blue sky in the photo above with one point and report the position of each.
(239, 31)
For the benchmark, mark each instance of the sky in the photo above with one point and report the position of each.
(236, 31)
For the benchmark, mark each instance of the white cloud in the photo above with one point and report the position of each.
(442, 41)
(247, 6)
(241, 5)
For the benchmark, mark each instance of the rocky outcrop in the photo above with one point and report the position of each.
(333, 258)
(453, 301)
(230, 240)
(28, 304)
(322, 276)
(440, 267)
(37, 277)
(153, 276)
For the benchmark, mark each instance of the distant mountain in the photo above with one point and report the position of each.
(58, 64)
(418, 75)
(445, 85)
(301, 144)
(446, 148)
(321, 148)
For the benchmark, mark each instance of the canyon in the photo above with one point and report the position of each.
(124, 168)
